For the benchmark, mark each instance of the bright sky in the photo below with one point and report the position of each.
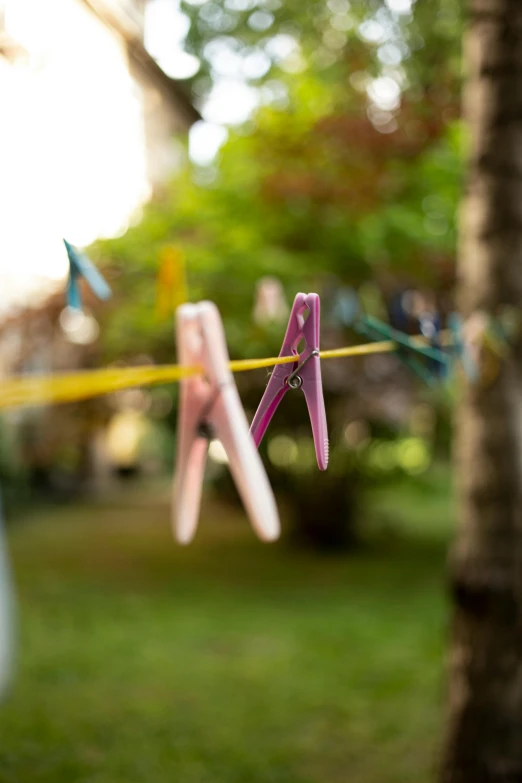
(72, 148)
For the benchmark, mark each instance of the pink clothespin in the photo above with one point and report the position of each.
(304, 373)
(210, 408)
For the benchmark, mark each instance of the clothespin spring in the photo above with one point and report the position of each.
(294, 380)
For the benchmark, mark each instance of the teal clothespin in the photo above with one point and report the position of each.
(405, 340)
(375, 330)
(348, 309)
(430, 322)
(81, 266)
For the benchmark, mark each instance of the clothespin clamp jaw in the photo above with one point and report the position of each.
(210, 408)
(81, 266)
(294, 380)
(304, 373)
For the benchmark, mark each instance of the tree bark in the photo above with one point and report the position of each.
(484, 737)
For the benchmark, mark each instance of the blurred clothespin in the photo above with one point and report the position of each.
(304, 373)
(428, 360)
(484, 341)
(270, 302)
(408, 350)
(375, 329)
(81, 266)
(500, 332)
(210, 408)
(171, 282)
(462, 348)
(344, 308)
(430, 324)
(509, 322)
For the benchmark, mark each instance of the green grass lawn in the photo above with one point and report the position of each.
(229, 661)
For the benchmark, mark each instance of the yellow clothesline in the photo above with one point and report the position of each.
(70, 387)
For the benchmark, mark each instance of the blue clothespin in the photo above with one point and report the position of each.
(460, 349)
(435, 363)
(430, 323)
(376, 330)
(345, 307)
(81, 266)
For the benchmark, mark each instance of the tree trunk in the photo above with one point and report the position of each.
(484, 739)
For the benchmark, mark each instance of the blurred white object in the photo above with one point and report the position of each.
(79, 326)
(6, 614)
(270, 304)
(124, 434)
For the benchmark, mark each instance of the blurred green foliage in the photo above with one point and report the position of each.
(262, 217)
(321, 185)
(334, 39)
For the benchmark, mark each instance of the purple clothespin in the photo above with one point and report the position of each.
(304, 374)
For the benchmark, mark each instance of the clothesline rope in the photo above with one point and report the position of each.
(72, 387)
